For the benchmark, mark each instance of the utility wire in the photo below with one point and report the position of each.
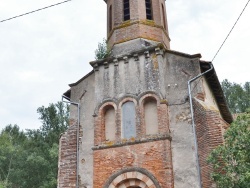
(34, 11)
(231, 30)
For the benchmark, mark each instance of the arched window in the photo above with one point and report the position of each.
(163, 15)
(128, 120)
(151, 117)
(149, 10)
(126, 10)
(110, 18)
(109, 122)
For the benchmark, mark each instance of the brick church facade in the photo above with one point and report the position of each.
(146, 116)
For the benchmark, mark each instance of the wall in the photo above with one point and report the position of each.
(208, 96)
(87, 125)
(67, 157)
(154, 71)
(180, 69)
(80, 93)
(209, 127)
(155, 156)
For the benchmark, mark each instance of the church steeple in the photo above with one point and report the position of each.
(129, 20)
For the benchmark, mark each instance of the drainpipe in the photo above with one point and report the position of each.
(193, 123)
(77, 135)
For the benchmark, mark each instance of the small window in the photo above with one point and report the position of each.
(149, 9)
(151, 119)
(126, 10)
(110, 18)
(109, 123)
(164, 16)
(128, 120)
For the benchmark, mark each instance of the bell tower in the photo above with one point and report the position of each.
(136, 23)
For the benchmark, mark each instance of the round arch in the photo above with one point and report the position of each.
(132, 178)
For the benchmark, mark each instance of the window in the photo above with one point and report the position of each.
(128, 120)
(164, 16)
(110, 18)
(126, 10)
(109, 122)
(150, 114)
(149, 10)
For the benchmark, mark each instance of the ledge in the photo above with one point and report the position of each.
(130, 22)
(132, 141)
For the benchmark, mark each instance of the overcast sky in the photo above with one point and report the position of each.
(41, 53)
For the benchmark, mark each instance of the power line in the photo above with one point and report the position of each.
(34, 11)
(231, 30)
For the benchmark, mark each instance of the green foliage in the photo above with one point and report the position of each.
(102, 51)
(231, 161)
(30, 159)
(11, 139)
(237, 96)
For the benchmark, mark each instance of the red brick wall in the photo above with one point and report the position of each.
(153, 156)
(67, 157)
(209, 127)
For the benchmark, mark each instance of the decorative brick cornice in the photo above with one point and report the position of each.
(158, 50)
(132, 141)
(128, 23)
(125, 58)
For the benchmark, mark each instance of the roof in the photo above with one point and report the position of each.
(215, 86)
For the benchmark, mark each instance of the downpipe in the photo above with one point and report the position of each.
(77, 135)
(193, 123)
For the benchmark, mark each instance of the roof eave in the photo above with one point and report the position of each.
(217, 91)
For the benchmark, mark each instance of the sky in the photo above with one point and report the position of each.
(41, 53)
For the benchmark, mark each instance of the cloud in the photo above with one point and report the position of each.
(41, 53)
(202, 27)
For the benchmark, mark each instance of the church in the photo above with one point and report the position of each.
(146, 116)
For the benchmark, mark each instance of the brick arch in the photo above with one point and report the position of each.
(151, 93)
(148, 95)
(107, 105)
(103, 104)
(100, 121)
(150, 119)
(132, 178)
(126, 99)
(131, 183)
(162, 112)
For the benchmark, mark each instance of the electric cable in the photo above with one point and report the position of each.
(34, 11)
(230, 30)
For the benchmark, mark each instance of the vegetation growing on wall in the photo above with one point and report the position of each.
(102, 51)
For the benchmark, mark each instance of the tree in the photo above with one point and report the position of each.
(237, 96)
(43, 145)
(54, 120)
(102, 51)
(29, 159)
(11, 142)
(231, 161)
